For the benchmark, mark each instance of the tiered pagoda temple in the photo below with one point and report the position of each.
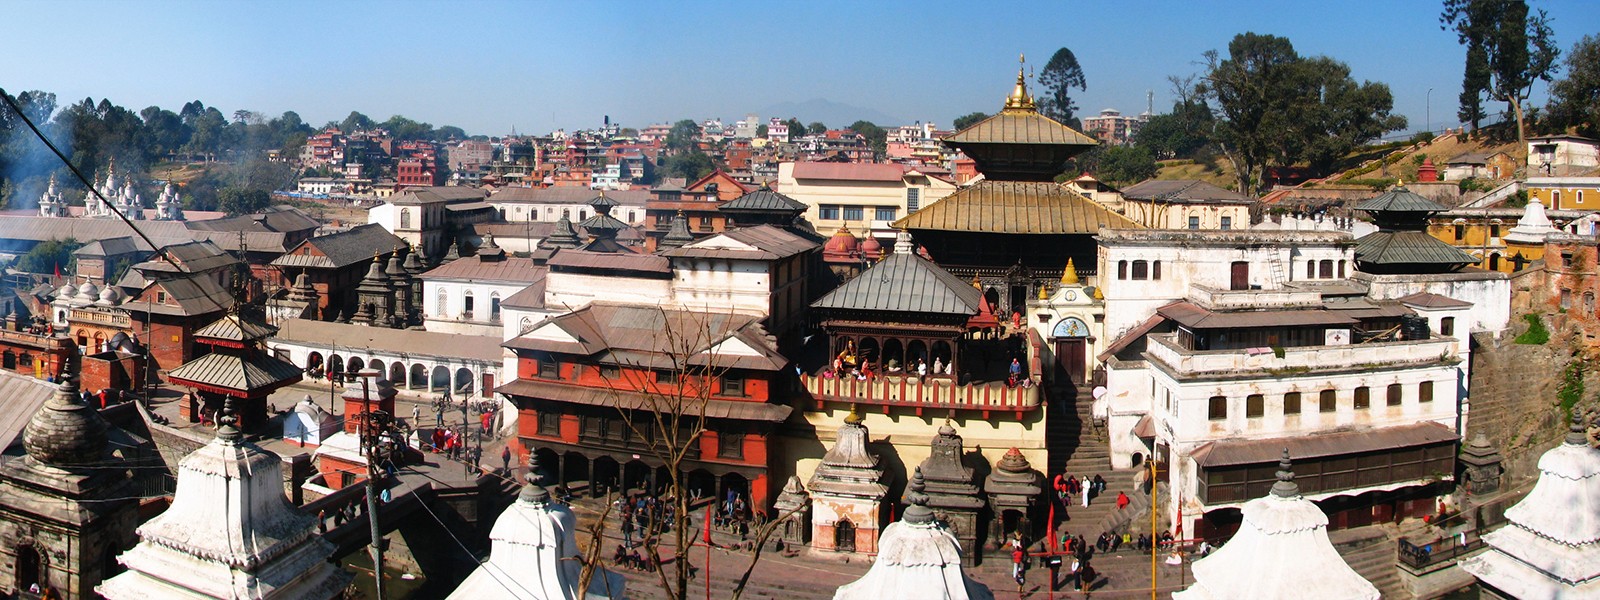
(1013, 488)
(237, 367)
(847, 493)
(1402, 244)
(1016, 228)
(952, 493)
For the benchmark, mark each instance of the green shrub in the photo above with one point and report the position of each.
(1571, 388)
(1536, 335)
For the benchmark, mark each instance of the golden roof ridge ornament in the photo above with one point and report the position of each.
(1020, 100)
(1069, 275)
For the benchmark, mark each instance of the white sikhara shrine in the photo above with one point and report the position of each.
(534, 555)
(918, 557)
(230, 533)
(1551, 546)
(1281, 552)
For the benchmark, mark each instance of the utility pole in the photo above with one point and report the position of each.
(369, 441)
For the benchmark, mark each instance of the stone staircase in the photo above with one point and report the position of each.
(1082, 449)
(1372, 552)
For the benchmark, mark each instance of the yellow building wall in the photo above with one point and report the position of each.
(910, 436)
(1566, 198)
(1478, 237)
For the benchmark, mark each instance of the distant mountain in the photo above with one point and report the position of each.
(830, 113)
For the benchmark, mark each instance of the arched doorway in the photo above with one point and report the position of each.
(894, 351)
(917, 350)
(575, 469)
(1072, 350)
(605, 475)
(441, 380)
(735, 487)
(549, 466)
(397, 373)
(463, 382)
(377, 365)
(844, 536)
(314, 362)
(28, 566)
(701, 484)
(354, 366)
(869, 351)
(941, 357)
(419, 376)
(335, 367)
(635, 476)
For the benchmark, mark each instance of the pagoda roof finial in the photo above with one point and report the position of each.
(1285, 487)
(1069, 274)
(1020, 100)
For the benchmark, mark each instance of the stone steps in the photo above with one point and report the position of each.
(1371, 552)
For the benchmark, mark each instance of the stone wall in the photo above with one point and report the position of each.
(1514, 394)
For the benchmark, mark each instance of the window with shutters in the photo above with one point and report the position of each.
(1425, 392)
(1363, 397)
(1255, 405)
(1291, 403)
(1394, 394)
(1218, 408)
(730, 444)
(1328, 401)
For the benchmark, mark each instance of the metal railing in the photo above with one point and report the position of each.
(1421, 556)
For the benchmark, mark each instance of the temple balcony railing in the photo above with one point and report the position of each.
(1165, 349)
(1218, 299)
(932, 392)
(31, 340)
(117, 319)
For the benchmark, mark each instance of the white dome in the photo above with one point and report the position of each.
(89, 291)
(108, 297)
(67, 291)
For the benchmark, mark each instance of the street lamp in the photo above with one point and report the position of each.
(1429, 124)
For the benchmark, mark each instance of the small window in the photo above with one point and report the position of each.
(1325, 269)
(1218, 408)
(1328, 402)
(1311, 269)
(549, 423)
(828, 212)
(1141, 270)
(405, 218)
(1155, 269)
(1363, 397)
(1227, 223)
(161, 297)
(885, 213)
(1255, 405)
(1291, 403)
(1425, 392)
(1555, 203)
(1447, 326)
(549, 368)
(1122, 269)
(912, 198)
(853, 213)
(732, 386)
(1341, 269)
(1394, 394)
(1494, 230)
(1194, 222)
(730, 444)
(667, 377)
(705, 222)
(1461, 231)
(610, 372)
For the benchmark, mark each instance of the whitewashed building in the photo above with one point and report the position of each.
(549, 204)
(465, 295)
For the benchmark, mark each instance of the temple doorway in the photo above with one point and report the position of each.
(844, 536)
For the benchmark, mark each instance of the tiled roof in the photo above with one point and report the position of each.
(344, 248)
(1400, 199)
(252, 241)
(530, 297)
(762, 242)
(1408, 247)
(413, 342)
(1184, 190)
(236, 372)
(849, 171)
(196, 294)
(567, 195)
(279, 219)
(1015, 207)
(1432, 300)
(430, 194)
(635, 334)
(236, 328)
(904, 283)
(603, 222)
(610, 260)
(23, 397)
(40, 229)
(1020, 127)
(192, 257)
(1333, 443)
(764, 199)
(113, 247)
(473, 268)
(610, 398)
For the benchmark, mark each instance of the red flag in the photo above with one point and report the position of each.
(58, 270)
(707, 536)
(1052, 528)
(1179, 534)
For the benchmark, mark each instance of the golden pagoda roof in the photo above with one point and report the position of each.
(1019, 122)
(1026, 207)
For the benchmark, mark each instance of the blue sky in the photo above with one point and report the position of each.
(487, 66)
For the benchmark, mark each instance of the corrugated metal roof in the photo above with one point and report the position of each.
(608, 260)
(195, 294)
(764, 242)
(530, 297)
(1192, 191)
(904, 283)
(1016, 207)
(278, 219)
(344, 248)
(1400, 199)
(633, 334)
(39, 229)
(603, 222)
(577, 394)
(1248, 452)
(21, 396)
(566, 195)
(349, 337)
(1408, 247)
(443, 193)
(765, 199)
(1020, 127)
(113, 247)
(1196, 317)
(509, 270)
(849, 171)
(236, 373)
(1432, 300)
(237, 328)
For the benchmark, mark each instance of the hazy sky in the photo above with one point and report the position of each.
(488, 66)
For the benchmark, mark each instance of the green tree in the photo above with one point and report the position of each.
(796, 128)
(691, 165)
(969, 119)
(1273, 107)
(816, 128)
(242, 201)
(1177, 134)
(877, 138)
(1575, 99)
(50, 256)
(1125, 165)
(761, 131)
(1518, 47)
(401, 128)
(683, 136)
(1057, 79)
(356, 122)
(449, 132)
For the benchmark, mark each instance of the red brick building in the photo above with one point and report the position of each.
(581, 373)
(698, 202)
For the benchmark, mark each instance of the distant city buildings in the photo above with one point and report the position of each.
(1113, 129)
